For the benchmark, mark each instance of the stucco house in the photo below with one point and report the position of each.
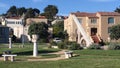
(87, 28)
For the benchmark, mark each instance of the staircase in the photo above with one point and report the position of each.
(87, 38)
(95, 39)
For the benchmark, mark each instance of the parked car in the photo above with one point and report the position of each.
(57, 40)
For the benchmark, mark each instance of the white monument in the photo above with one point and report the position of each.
(35, 47)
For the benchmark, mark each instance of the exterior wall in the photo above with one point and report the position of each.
(92, 25)
(104, 26)
(68, 27)
(36, 20)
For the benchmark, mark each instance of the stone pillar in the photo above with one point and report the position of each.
(10, 43)
(35, 49)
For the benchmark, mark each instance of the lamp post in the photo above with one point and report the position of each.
(10, 43)
(35, 47)
(10, 38)
(23, 38)
(23, 21)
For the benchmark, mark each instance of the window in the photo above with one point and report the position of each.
(93, 20)
(11, 22)
(110, 20)
(80, 20)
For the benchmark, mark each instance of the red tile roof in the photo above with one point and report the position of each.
(85, 14)
(14, 17)
(90, 15)
(109, 13)
(42, 17)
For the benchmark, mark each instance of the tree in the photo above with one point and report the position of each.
(30, 13)
(40, 28)
(12, 10)
(50, 11)
(21, 10)
(36, 11)
(117, 9)
(58, 30)
(115, 32)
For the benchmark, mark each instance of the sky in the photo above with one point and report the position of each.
(65, 6)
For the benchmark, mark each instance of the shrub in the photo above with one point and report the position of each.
(114, 46)
(53, 43)
(42, 40)
(94, 46)
(61, 45)
(73, 46)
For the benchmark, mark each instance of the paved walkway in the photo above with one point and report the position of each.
(61, 57)
(61, 53)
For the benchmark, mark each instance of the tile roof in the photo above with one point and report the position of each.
(41, 17)
(13, 17)
(85, 14)
(90, 15)
(109, 13)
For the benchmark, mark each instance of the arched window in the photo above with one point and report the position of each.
(110, 20)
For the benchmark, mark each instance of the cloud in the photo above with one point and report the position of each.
(2, 5)
(103, 0)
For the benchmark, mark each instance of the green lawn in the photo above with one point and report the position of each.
(85, 59)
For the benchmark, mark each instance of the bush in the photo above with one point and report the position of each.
(61, 45)
(53, 43)
(74, 46)
(42, 40)
(114, 46)
(94, 46)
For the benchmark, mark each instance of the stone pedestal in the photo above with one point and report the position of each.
(68, 54)
(35, 49)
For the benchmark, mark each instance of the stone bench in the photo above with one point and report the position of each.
(68, 54)
(9, 55)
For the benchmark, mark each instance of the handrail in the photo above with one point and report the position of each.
(82, 31)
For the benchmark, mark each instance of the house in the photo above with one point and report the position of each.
(16, 25)
(87, 28)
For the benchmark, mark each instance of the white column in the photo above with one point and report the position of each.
(10, 43)
(35, 49)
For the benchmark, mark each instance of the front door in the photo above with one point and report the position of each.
(93, 31)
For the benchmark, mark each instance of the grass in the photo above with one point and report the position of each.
(85, 59)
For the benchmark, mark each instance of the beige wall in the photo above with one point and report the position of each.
(31, 20)
(104, 25)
